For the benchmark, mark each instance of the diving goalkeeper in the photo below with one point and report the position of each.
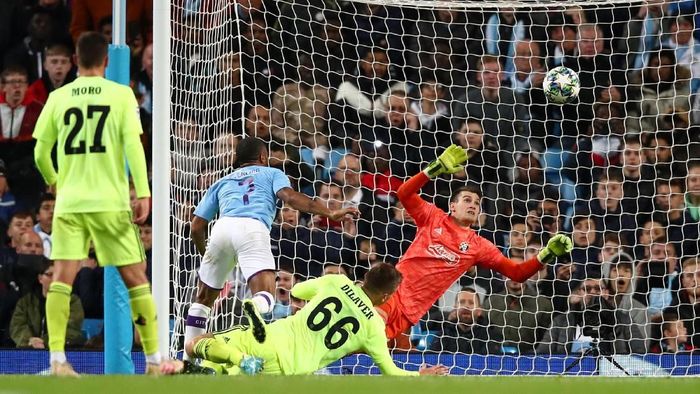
(339, 319)
(446, 247)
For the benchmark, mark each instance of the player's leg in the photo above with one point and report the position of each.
(71, 244)
(117, 243)
(218, 261)
(258, 267)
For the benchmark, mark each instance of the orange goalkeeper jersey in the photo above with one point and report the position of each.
(442, 252)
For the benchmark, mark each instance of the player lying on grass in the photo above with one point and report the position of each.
(338, 319)
(246, 201)
(446, 247)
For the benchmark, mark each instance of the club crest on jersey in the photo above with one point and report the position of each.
(444, 254)
(463, 247)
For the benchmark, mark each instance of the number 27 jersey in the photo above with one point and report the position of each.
(89, 120)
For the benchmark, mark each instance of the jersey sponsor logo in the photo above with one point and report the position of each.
(441, 252)
(463, 247)
(366, 310)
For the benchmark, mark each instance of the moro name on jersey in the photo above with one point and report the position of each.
(367, 310)
(77, 91)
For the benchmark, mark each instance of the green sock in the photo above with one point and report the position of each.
(57, 312)
(143, 312)
(215, 351)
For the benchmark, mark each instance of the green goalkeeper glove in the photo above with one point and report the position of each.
(557, 246)
(449, 162)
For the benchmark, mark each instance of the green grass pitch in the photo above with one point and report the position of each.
(345, 384)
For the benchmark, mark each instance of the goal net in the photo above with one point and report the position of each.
(354, 97)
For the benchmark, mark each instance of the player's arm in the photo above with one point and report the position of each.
(308, 289)
(301, 202)
(45, 134)
(198, 232)
(135, 156)
(557, 246)
(376, 347)
(203, 214)
(450, 161)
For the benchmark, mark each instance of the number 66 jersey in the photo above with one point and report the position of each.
(338, 319)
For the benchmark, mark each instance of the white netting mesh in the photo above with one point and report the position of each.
(354, 97)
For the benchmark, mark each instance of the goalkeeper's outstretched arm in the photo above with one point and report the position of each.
(558, 246)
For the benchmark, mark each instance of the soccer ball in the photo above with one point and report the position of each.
(561, 85)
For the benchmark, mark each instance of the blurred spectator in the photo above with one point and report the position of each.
(433, 112)
(334, 269)
(561, 43)
(519, 316)
(611, 247)
(290, 243)
(20, 222)
(446, 27)
(664, 93)
(691, 225)
(144, 81)
(8, 205)
(18, 110)
(28, 325)
(465, 329)
(30, 243)
(631, 318)
(686, 48)
(331, 242)
(566, 336)
(646, 31)
(283, 305)
(669, 207)
(586, 247)
(638, 185)
(650, 233)
(262, 69)
(366, 257)
(491, 102)
(674, 335)
(104, 26)
(545, 219)
(658, 154)
(606, 207)
(657, 276)
(59, 70)
(146, 236)
(593, 65)
(687, 305)
(379, 177)
(364, 95)
(60, 16)
(526, 80)
(400, 232)
(257, 123)
(503, 30)
(517, 238)
(86, 15)
(224, 152)
(29, 53)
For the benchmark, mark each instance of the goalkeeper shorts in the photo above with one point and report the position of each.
(116, 238)
(240, 339)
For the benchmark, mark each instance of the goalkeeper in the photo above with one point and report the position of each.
(338, 319)
(446, 247)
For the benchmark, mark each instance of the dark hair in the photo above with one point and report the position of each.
(13, 69)
(383, 278)
(45, 265)
(92, 49)
(612, 237)
(47, 197)
(613, 174)
(576, 219)
(517, 219)
(22, 215)
(667, 318)
(466, 188)
(692, 164)
(248, 150)
(632, 139)
(58, 49)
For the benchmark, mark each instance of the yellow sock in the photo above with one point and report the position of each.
(215, 351)
(57, 312)
(143, 312)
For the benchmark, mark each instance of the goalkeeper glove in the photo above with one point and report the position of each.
(251, 365)
(557, 246)
(449, 162)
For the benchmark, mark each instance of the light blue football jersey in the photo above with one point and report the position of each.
(248, 192)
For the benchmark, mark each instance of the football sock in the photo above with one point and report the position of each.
(215, 351)
(143, 313)
(196, 324)
(57, 312)
(263, 301)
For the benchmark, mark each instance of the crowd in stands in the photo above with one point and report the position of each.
(352, 99)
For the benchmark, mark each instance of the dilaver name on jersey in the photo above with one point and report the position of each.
(367, 310)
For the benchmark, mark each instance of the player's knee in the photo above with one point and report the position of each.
(206, 295)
